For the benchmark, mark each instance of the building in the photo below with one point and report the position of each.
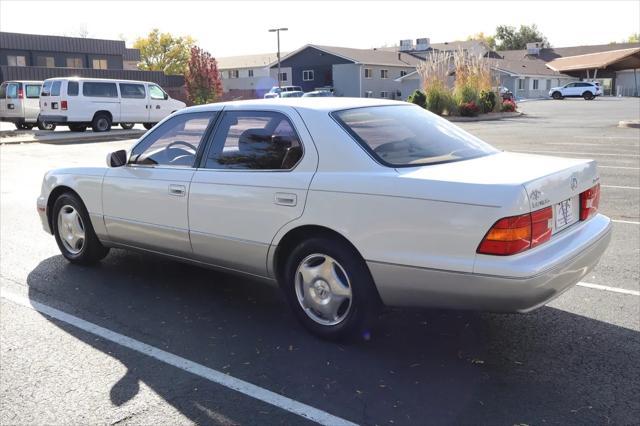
(250, 76)
(38, 57)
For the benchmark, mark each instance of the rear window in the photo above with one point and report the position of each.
(406, 136)
(55, 88)
(132, 91)
(72, 88)
(99, 90)
(46, 88)
(32, 91)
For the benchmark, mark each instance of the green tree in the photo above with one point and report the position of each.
(634, 38)
(510, 38)
(489, 40)
(164, 52)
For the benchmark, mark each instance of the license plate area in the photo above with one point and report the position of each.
(565, 213)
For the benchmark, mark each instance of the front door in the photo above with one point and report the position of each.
(252, 180)
(159, 104)
(134, 105)
(145, 201)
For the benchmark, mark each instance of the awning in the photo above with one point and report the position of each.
(615, 60)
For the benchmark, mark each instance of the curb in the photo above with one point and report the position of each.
(485, 117)
(70, 139)
(631, 124)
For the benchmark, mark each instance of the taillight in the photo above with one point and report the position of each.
(20, 93)
(589, 202)
(63, 104)
(515, 234)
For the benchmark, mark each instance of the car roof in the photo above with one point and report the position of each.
(310, 103)
(100, 80)
(24, 81)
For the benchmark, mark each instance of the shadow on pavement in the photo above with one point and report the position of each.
(420, 366)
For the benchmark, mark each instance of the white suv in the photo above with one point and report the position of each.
(578, 89)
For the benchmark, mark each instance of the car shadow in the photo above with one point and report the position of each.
(414, 367)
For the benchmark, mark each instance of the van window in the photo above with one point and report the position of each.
(46, 88)
(3, 90)
(156, 92)
(99, 90)
(12, 91)
(55, 88)
(132, 91)
(32, 91)
(72, 88)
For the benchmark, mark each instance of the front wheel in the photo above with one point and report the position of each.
(556, 95)
(148, 126)
(43, 125)
(74, 233)
(330, 289)
(127, 126)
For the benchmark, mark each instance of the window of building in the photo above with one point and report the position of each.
(521, 84)
(234, 74)
(384, 94)
(398, 94)
(250, 73)
(283, 76)
(16, 61)
(99, 64)
(98, 90)
(368, 73)
(32, 91)
(384, 73)
(155, 92)
(368, 94)
(536, 84)
(308, 75)
(72, 88)
(187, 129)
(46, 61)
(132, 91)
(548, 84)
(74, 63)
(254, 141)
(403, 73)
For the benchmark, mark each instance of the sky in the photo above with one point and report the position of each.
(229, 28)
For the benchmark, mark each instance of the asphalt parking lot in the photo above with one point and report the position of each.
(159, 337)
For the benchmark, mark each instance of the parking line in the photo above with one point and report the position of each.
(625, 221)
(590, 144)
(618, 167)
(620, 187)
(184, 364)
(606, 137)
(607, 288)
(583, 153)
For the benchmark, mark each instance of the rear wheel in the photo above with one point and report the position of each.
(77, 127)
(127, 126)
(101, 123)
(149, 126)
(556, 95)
(588, 96)
(74, 233)
(43, 125)
(330, 289)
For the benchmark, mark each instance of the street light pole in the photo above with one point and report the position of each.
(277, 30)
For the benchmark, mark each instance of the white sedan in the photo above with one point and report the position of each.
(348, 204)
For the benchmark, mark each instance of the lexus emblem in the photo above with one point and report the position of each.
(574, 183)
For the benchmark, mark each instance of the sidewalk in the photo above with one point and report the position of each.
(43, 136)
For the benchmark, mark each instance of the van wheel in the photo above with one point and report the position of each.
(77, 127)
(23, 126)
(149, 126)
(101, 123)
(46, 126)
(330, 289)
(127, 126)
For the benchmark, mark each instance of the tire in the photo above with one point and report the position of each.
(588, 96)
(23, 126)
(101, 123)
(46, 126)
(77, 127)
(556, 95)
(148, 126)
(127, 126)
(356, 300)
(74, 233)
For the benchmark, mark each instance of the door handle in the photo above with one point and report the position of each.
(177, 190)
(286, 199)
(157, 106)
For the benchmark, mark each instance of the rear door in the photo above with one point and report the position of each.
(14, 105)
(31, 101)
(134, 103)
(50, 97)
(3, 99)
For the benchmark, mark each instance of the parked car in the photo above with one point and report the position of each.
(292, 94)
(101, 103)
(19, 104)
(577, 89)
(346, 203)
(318, 93)
(505, 93)
(276, 91)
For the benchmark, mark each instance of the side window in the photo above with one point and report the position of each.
(3, 90)
(12, 91)
(99, 90)
(55, 88)
(72, 88)
(46, 89)
(32, 91)
(175, 142)
(254, 141)
(571, 85)
(132, 91)
(155, 92)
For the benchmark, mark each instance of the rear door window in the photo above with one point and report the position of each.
(3, 90)
(132, 91)
(46, 88)
(99, 89)
(32, 91)
(55, 88)
(72, 88)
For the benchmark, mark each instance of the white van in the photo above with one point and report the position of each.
(19, 104)
(99, 103)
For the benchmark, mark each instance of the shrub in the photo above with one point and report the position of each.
(487, 101)
(469, 109)
(419, 98)
(437, 98)
(508, 106)
(466, 93)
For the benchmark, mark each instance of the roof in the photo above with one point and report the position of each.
(365, 56)
(48, 43)
(457, 45)
(131, 54)
(550, 53)
(614, 59)
(524, 67)
(249, 61)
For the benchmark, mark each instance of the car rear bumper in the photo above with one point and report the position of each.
(401, 285)
(53, 119)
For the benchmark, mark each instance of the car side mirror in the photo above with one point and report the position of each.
(117, 158)
(166, 96)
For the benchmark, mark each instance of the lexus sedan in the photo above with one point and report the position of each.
(347, 204)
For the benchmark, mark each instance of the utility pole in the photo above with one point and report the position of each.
(277, 30)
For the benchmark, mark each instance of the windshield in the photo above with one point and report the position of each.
(406, 135)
